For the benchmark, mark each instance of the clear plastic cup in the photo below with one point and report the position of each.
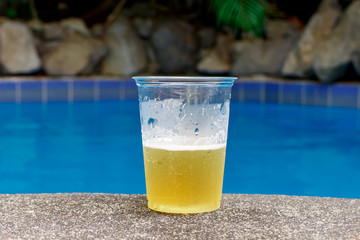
(184, 125)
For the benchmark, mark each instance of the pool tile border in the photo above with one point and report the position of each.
(84, 91)
(7, 92)
(271, 92)
(30, 92)
(300, 93)
(344, 96)
(94, 89)
(294, 93)
(358, 103)
(56, 91)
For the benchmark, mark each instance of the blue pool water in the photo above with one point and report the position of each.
(96, 147)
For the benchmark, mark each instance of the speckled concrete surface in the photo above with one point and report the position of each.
(106, 216)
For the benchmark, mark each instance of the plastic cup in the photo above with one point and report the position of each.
(184, 125)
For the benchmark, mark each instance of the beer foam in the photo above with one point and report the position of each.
(182, 147)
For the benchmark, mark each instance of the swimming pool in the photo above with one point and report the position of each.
(95, 146)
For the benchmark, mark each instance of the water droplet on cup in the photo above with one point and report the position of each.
(196, 131)
(223, 109)
(152, 122)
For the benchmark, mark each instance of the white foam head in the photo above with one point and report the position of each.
(182, 147)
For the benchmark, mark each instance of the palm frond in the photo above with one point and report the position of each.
(241, 15)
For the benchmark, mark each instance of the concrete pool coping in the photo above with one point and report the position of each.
(120, 216)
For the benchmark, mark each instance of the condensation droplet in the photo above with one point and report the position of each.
(196, 131)
(152, 122)
(223, 109)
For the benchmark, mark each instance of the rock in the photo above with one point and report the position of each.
(126, 53)
(37, 43)
(46, 46)
(36, 25)
(53, 31)
(153, 65)
(153, 68)
(217, 60)
(73, 26)
(98, 30)
(18, 53)
(299, 62)
(143, 26)
(175, 46)
(212, 64)
(280, 29)
(143, 9)
(207, 37)
(224, 46)
(261, 56)
(333, 58)
(74, 56)
(355, 60)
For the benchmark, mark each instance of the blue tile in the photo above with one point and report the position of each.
(31, 91)
(109, 90)
(252, 92)
(57, 91)
(7, 92)
(292, 93)
(235, 92)
(272, 92)
(129, 89)
(84, 90)
(129, 82)
(316, 94)
(345, 96)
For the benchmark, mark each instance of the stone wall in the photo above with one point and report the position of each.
(144, 43)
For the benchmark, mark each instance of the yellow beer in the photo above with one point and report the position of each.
(186, 179)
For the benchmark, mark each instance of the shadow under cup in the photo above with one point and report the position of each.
(184, 125)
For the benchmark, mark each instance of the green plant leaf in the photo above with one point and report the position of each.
(11, 13)
(241, 15)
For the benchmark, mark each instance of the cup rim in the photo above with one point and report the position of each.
(184, 79)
